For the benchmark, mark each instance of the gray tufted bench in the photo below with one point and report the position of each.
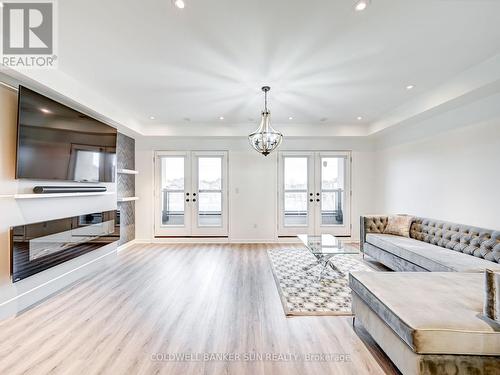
(429, 323)
(433, 245)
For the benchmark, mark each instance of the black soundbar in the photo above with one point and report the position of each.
(68, 189)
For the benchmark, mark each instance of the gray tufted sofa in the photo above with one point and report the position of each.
(429, 323)
(433, 245)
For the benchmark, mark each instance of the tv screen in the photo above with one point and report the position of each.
(55, 142)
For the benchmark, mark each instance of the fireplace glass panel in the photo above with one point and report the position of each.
(39, 246)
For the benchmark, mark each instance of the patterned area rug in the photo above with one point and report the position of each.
(303, 293)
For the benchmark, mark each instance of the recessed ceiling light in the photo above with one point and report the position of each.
(152, 117)
(179, 4)
(361, 5)
(290, 118)
(360, 118)
(409, 87)
(221, 118)
(45, 110)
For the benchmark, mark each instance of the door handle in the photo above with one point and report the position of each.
(187, 200)
(317, 200)
(311, 200)
(194, 200)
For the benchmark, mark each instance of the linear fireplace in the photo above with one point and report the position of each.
(40, 246)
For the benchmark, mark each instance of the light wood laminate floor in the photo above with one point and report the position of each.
(161, 300)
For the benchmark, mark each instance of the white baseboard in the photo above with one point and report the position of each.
(188, 240)
(194, 240)
(142, 240)
(127, 245)
(252, 241)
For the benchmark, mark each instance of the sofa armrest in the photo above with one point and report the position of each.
(371, 224)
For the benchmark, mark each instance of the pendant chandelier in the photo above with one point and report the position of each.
(265, 139)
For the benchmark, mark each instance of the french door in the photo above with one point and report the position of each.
(191, 193)
(314, 193)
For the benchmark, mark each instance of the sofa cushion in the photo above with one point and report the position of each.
(399, 225)
(433, 313)
(431, 257)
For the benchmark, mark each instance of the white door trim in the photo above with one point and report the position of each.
(287, 230)
(170, 230)
(208, 231)
(335, 229)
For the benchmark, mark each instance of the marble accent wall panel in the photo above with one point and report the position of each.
(127, 222)
(125, 185)
(125, 152)
(125, 159)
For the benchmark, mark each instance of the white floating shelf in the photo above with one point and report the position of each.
(56, 195)
(128, 199)
(127, 171)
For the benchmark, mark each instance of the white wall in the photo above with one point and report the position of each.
(447, 167)
(17, 296)
(252, 181)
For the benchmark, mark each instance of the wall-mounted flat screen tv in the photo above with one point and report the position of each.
(55, 142)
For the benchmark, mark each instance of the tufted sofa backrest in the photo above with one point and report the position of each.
(373, 224)
(479, 242)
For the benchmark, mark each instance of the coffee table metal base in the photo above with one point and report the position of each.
(324, 261)
(324, 247)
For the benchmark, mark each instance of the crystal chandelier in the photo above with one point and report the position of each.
(265, 139)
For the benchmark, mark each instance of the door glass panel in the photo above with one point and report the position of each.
(295, 191)
(210, 209)
(210, 173)
(332, 190)
(295, 173)
(172, 190)
(295, 209)
(210, 191)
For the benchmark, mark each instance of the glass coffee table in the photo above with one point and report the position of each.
(324, 247)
